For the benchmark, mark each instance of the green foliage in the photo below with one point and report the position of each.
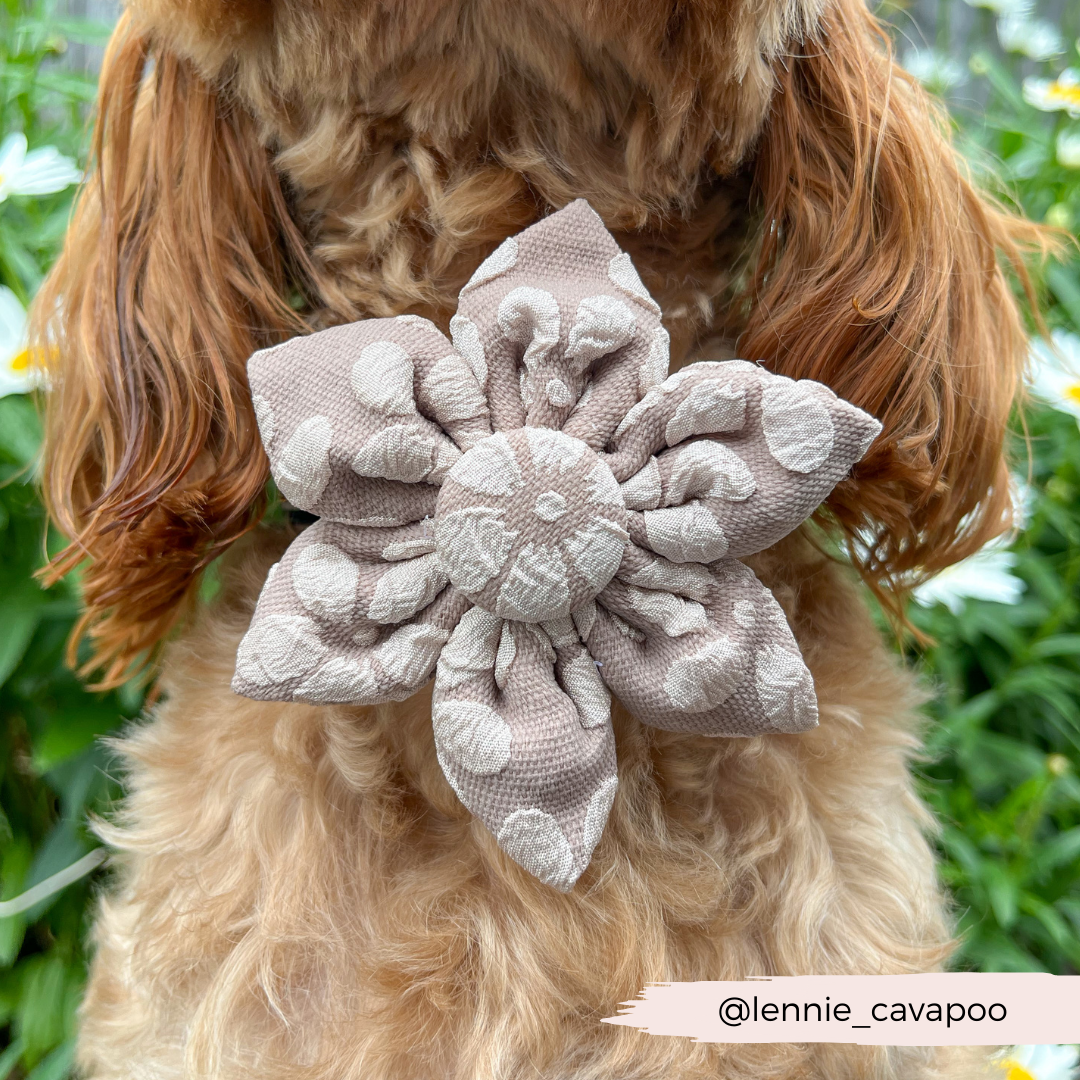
(52, 773)
(1003, 758)
(1003, 771)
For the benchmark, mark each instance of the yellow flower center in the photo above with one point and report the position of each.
(1015, 1071)
(21, 361)
(1065, 95)
(1072, 392)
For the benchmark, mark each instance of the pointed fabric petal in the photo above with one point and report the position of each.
(523, 734)
(339, 621)
(725, 459)
(361, 422)
(562, 328)
(713, 656)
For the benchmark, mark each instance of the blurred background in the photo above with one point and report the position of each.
(1002, 763)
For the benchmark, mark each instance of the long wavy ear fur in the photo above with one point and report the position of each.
(878, 274)
(177, 266)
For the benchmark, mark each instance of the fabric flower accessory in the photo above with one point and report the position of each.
(542, 517)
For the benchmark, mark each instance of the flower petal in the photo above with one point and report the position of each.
(576, 337)
(530, 752)
(361, 421)
(757, 452)
(725, 665)
(336, 622)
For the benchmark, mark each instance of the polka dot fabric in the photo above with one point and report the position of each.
(538, 516)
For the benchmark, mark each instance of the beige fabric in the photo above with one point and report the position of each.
(537, 514)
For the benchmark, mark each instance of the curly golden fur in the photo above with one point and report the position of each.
(301, 894)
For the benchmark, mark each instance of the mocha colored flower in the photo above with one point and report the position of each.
(540, 516)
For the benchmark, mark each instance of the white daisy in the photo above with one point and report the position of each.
(933, 69)
(1053, 95)
(1039, 1062)
(17, 375)
(986, 575)
(1055, 371)
(1068, 149)
(39, 172)
(1036, 38)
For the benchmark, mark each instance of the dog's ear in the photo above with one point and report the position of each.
(878, 274)
(178, 264)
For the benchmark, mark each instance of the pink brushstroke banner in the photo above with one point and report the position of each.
(944, 1009)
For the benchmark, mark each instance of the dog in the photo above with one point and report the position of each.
(299, 891)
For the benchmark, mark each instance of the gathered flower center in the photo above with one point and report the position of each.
(530, 524)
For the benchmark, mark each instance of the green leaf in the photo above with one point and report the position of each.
(1066, 289)
(1002, 892)
(72, 730)
(20, 429)
(20, 615)
(1058, 645)
(1062, 850)
(40, 1018)
(9, 1058)
(57, 1065)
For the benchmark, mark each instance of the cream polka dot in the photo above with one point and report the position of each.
(530, 317)
(473, 545)
(587, 691)
(505, 656)
(408, 549)
(536, 586)
(710, 407)
(535, 841)
(596, 550)
(303, 469)
(264, 417)
(601, 325)
(325, 579)
(400, 452)
(408, 655)
(558, 393)
(341, 680)
(382, 379)
(744, 613)
(602, 487)
(278, 648)
(674, 615)
(503, 258)
(643, 490)
(707, 678)
(552, 449)
(472, 735)
(406, 588)
(453, 391)
(655, 368)
(797, 426)
(550, 506)
(623, 273)
(708, 469)
(489, 468)
(585, 619)
(687, 533)
(785, 689)
(685, 579)
(598, 810)
(465, 335)
(471, 651)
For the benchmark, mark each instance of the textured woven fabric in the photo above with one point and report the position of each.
(539, 515)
